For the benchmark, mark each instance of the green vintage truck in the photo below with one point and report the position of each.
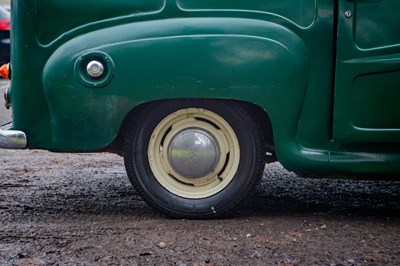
(197, 95)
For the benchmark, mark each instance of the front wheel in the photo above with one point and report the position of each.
(194, 158)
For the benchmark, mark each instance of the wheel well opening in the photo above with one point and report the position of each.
(258, 113)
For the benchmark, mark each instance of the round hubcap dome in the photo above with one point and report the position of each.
(193, 153)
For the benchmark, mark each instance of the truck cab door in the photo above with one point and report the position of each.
(367, 88)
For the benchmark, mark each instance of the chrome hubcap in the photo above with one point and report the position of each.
(193, 153)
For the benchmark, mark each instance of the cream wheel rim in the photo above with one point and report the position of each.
(194, 153)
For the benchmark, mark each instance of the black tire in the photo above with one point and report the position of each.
(180, 196)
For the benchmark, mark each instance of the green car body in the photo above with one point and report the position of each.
(323, 76)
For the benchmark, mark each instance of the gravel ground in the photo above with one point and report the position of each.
(79, 209)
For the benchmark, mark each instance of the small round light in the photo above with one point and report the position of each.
(95, 69)
(5, 71)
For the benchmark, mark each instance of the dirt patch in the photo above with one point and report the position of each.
(75, 209)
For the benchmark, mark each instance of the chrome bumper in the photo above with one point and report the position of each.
(12, 139)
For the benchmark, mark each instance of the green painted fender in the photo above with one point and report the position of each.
(249, 60)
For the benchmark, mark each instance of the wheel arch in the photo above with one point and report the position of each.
(260, 115)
